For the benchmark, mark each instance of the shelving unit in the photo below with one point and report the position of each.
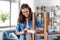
(49, 19)
(46, 22)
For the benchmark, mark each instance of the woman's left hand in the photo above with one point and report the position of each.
(37, 30)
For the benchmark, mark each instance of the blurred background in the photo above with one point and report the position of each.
(9, 11)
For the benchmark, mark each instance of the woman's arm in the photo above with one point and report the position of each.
(19, 31)
(39, 26)
(38, 30)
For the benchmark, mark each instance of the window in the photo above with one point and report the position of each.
(14, 13)
(4, 10)
(7, 8)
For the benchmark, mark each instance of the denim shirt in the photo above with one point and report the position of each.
(21, 26)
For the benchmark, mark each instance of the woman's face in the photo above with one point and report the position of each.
(25, 12)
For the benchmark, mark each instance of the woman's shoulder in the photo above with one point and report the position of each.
(18, 22)
(36, 17)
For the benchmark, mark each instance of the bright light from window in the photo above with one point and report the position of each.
(14, 13)
(4, 8)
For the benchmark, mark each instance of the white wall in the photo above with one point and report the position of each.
(46, 2)
(42, 2)
(34, 3)
(56, 2)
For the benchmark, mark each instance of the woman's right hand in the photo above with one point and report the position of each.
(19, 33)
(22, 32)
(26, 29)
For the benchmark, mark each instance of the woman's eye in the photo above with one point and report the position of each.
(26, 11)
(23, 12)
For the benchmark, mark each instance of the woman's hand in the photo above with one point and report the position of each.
(19, 33)
(37, 30)
(23, 31)
(26, 29)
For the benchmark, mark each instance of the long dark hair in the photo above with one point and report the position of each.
(21, 17)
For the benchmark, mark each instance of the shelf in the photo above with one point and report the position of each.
(53, 33)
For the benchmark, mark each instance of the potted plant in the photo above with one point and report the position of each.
(4, 16)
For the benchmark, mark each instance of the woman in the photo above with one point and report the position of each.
(24, 16)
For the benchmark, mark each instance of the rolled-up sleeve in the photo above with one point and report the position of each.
(18, 27)
(38, 23)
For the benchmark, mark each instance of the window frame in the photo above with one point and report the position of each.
(10, 13)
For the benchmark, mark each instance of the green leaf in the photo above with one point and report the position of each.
(4, 16)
